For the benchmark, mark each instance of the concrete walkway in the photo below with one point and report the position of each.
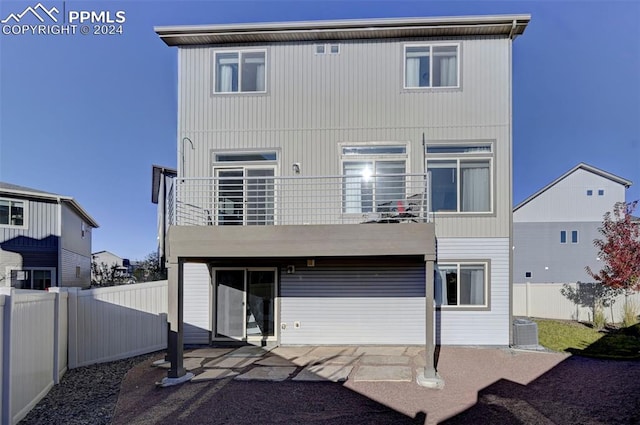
(323, 363)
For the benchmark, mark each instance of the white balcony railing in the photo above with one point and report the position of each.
(268, 200)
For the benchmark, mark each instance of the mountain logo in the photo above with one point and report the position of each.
(39, 11)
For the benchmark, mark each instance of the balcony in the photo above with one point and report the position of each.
(240, 200)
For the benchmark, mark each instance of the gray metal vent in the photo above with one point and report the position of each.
(525, 333)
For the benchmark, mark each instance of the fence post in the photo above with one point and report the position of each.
(5, 414)
(72, 333)
(527, 298)
(56, 334)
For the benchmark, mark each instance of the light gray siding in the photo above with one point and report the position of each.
(313, 102)
(73, 238)
(537, 249)
(353, 305)
(477, 327)
(42, 219)
(197, 303)
(73, 263)
(567, 200)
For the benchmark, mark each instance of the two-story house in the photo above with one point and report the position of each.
(334, 175)
(554, 228)
(45, 239)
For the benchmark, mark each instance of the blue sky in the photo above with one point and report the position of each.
(87, 115)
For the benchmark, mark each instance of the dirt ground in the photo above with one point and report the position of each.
(494, 386)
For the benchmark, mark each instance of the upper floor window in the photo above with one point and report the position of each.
(589, 192)
(431, 66)
(563, 236)
(240, 71)
(600, 192)
(574, 236)
(12, 213)
(460, 177)
(374, 177)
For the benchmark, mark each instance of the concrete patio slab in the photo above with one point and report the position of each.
(305, 360)
(208, 352)
(334, 373)
(266, 373)
(189, 363)
(338, 360)
(213, 374)
(231, 362)
(385, 360)
(383, 374)
(380, 351)
(249, 351)
(420, 360)
(274, 361)
(331, 351)
(291, 352)
(414, 350)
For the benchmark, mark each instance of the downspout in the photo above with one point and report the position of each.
(59, 268)
(510, 209)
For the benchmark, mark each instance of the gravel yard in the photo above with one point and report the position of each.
(86, 395)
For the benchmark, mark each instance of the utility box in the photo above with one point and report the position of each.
(525, 333)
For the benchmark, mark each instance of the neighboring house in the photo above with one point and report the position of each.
(317, 164)
(124, 268)
(161, 186)
(45, 239)
(554, 229)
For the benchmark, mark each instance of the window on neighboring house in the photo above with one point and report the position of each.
(600, 192)
(527, 274)
(78, 271)
(334, 49)
(240, 71)
(574, 236)
(461, 284)
(460, 177)
(434, 65)
(12, 213)
(563, 236)
(589, 192)
(320, 49)
(374, 177)
(33, 278)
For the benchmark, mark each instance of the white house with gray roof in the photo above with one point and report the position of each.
(45, 239)
(554, 229)
(319, 162)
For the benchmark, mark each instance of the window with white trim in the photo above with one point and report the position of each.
(374, 177)
(431, 65)
(12, 212)
(461, 284)
(460, 177)
(242, 71)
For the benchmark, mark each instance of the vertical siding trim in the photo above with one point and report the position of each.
(59, 233)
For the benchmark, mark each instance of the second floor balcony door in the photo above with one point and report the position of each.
(245, 196)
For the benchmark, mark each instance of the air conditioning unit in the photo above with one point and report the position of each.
(525, 333)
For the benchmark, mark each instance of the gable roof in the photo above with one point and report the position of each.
(27, 192)
(582, 166)
(350, 29)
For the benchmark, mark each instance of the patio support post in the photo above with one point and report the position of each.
(175, 349)
(429, 377)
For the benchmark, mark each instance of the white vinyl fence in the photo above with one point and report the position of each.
(545, 301)
(43, 333)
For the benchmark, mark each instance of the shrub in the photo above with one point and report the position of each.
(629, 313)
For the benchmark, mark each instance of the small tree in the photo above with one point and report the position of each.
(107, 275)
(619, 250)
(150, 269)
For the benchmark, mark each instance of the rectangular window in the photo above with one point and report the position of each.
(245, 156)
(589, 192)
(431, 66)
(320, 49)
(563, 236)
(33, 278)
(461, 284)
(374, 178)
(334, 49)
(527, 274)
(600, 192)
(240, 71)
(460, 178)
(12, 213)
(574, 236)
